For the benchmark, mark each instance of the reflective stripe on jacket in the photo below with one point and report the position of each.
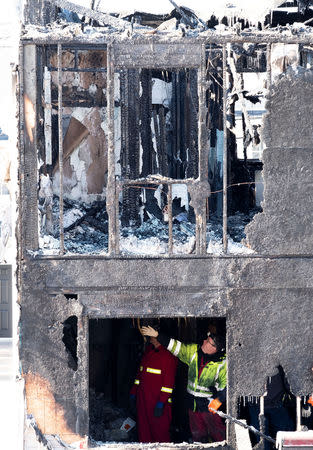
(213, 375)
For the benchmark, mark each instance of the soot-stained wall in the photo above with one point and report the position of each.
(285, 226)
(266, 301)
(266, 297)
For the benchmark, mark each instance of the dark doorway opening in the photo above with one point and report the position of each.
(115, 350)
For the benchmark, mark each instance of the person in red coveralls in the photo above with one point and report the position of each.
(152, 391)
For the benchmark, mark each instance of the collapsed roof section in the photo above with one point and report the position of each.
(190, 13)
(168, 15)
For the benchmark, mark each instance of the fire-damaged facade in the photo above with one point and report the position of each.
(165, 173)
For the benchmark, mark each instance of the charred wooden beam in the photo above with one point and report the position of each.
(48, 117)
(112, 208)
(157, 139)
(89, 217)
(192, 107)
(29, 147)
(145, 122)
(225, 154)
(74, 96)
(60, 128)
(163, 142)
(200, 204)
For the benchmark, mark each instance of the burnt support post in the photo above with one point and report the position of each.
(170, 219)
(112, 208)
(262, 419)
(21, 146)
(269, 65)
(48, 117)
(225, 159)
(203, 155)
(28, 147)
(60, 127)
(82, 394)
(298, 413)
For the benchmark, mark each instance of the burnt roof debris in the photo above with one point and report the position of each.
(188, 17)
(100, 17)
(188, 21)
(182, 15)
(285, 27)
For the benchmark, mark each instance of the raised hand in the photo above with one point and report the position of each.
(149, 331)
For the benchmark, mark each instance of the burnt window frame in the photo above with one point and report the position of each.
(126, 60)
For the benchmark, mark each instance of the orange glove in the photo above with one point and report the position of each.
(310, 401)
(214, 404)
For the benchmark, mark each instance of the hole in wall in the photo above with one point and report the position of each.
(70, 341)
(71, 296)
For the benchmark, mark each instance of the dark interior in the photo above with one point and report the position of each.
(115, 349)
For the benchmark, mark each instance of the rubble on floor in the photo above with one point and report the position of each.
(86, 232)
(106, 421)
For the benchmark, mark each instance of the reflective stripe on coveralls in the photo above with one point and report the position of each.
(166, 389)
(156, 371)
(212, 375)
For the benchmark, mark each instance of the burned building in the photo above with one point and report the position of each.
(165, 175)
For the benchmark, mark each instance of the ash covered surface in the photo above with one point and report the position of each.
(106, 420)
(86, 232)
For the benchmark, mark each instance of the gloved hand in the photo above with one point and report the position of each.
(149, 331)
(310, 401)
(306, 411)
(132, 405)
(159, 409)
(214, 404)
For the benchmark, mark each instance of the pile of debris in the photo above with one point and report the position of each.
(86, 232)
(106, 421)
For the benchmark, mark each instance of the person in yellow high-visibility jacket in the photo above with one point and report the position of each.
(207, 379)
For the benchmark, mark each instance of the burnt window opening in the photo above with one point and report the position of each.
(69, 339)
(115, 350)
(159, 129)
(81, 110)
(175, 187)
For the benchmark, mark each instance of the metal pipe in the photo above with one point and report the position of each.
(298, 413)
(170, 219)
(60, 125)
(225, 162)
(244, 425)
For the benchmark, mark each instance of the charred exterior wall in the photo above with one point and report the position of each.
(266, 297)
(266, 301)
(285, 226)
